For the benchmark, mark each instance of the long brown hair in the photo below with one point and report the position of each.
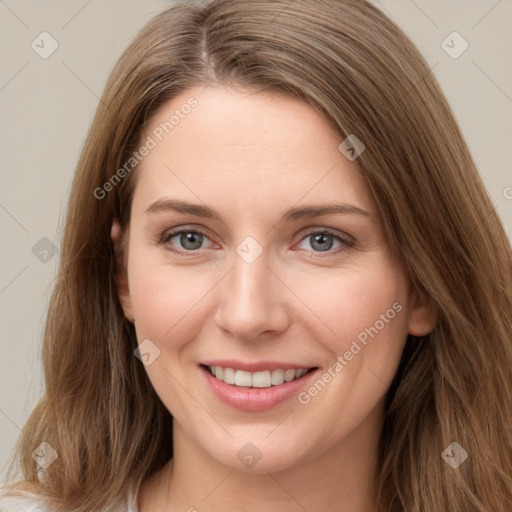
(359, 70)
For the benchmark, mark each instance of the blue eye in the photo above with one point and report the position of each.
(323, 241)
(190, 240)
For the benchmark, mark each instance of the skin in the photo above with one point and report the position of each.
(250, 157)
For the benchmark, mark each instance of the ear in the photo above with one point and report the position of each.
(422, 315)
(122, 288)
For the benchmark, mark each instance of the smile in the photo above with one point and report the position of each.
(262, 379)
(255, 387)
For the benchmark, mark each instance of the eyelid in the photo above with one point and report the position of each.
(172, 232)
(340, 234)
(345, 239)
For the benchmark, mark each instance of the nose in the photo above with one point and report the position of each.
(252, 301)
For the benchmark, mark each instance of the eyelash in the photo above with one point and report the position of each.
(347, 242)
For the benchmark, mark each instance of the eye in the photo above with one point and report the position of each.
(187, 240)
(324, 240)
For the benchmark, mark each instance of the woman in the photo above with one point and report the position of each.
(282, 281)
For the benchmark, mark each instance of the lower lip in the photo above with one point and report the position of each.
(255, 399)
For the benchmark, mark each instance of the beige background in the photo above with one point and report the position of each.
(47, 105)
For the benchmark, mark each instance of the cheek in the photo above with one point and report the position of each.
(165, 298)
(168, 304)
(366, 310)
(375, 325)
(370, 321)
(348, 301)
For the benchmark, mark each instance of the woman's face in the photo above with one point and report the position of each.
(255, 246)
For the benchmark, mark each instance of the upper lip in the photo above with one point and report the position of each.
(256, 366)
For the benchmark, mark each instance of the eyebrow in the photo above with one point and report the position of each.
(294, 213)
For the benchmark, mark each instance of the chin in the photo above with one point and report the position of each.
(258, 454)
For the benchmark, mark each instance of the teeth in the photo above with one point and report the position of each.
(289, 375)
(242, 378)
(229, 375)
(263, 379)
(277, 377)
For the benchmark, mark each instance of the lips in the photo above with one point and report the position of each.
(255, 386)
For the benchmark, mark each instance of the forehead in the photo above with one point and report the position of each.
(259, 149)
